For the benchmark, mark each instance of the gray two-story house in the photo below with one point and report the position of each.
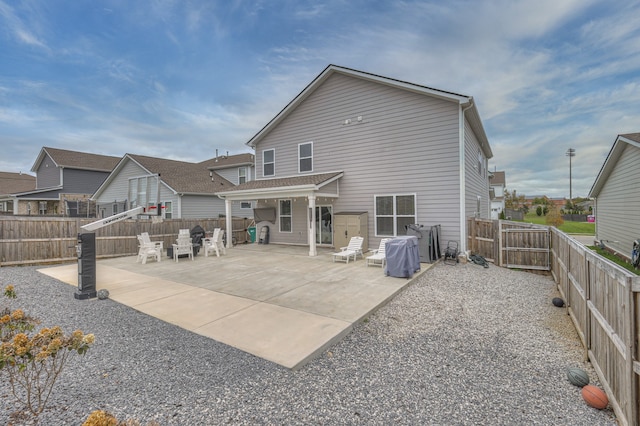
(64, 179)
(358, 153)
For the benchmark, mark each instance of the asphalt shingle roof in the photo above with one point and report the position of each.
(13, 183)
(184, 177)
(227, 161)
(82, 160)
(285, 182)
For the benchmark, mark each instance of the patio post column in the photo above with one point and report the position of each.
(312, 226)
(229, 222)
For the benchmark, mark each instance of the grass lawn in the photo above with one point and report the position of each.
(567, 227)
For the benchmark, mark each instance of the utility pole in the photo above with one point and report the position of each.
(570, 153)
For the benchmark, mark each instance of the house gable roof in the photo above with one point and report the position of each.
(13, 183)
(76, 160)
(614, 155)
(180, 177)
(463, 100)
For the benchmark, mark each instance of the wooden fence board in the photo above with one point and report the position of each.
(29, 240)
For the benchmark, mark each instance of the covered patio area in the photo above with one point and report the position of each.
(273, 301)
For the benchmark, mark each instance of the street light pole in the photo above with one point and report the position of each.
(570, 153)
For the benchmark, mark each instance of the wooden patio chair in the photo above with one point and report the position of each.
(352, 250)
(379, 256)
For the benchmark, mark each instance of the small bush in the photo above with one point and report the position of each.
(554, 218)
(539, 210)
(32, 362)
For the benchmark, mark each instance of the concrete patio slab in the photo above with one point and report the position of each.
(272, 301)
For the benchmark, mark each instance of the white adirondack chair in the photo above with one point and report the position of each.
(379, 256)
(352, 250)
(183, 246)
(214, 244)
(148, 250)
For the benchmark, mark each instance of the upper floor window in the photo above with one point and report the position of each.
(480, 163)
(269, 162)
(305, 157)
(242, 175)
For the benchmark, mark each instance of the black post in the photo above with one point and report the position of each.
(86, 249)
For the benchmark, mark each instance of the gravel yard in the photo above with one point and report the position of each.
(464, 345)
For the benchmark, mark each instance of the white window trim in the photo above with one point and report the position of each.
(280, 215)
(245, 175)
(304, 158)
(395, 215)
(274, 161)
(165, 210)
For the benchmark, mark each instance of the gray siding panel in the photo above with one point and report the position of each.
(618, 201)
(406, 143)
(82, 181)
(47, 174)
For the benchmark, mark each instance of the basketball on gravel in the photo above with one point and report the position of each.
(558, 302)
(577, 376)
(595, 397)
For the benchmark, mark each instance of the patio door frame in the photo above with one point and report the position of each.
(318, 228)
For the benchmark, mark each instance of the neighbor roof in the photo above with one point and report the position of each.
(497, 178)
(467, 101)
(77, 160)
(12, 183)
(183, 177)
(225, 161)
(612, 158)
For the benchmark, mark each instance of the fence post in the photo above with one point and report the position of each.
(499, 243)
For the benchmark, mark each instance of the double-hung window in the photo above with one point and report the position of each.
(242, 175)
(393, 213)
(305, 157)
(269, 162)
(168, 209)
(285, 215)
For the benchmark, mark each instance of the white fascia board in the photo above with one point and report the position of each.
(279, 192)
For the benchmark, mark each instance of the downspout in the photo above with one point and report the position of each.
(463, 219)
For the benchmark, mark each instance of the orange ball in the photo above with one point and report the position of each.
(595, 397)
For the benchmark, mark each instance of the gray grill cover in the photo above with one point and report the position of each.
(403, 257)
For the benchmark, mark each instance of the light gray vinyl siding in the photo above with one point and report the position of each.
(618, 203)
(298, 234)
(406, 143)
(231, 174)
(118, 189)
(201, 207)
(82, 181)
(476, 181)
(48, 174)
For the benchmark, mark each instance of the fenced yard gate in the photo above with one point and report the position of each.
(510, 244)
(602, 299)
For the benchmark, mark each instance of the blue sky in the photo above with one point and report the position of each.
(180, 79)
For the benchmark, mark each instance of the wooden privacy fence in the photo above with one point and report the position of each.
(510, 244)
(29, 240)
(602, 299)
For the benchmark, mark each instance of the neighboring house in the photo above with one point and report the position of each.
(183, 189)
(13, 183)
(497, 185)
(63, 179)
(617, 195)
(386, 152)
(237, 169)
